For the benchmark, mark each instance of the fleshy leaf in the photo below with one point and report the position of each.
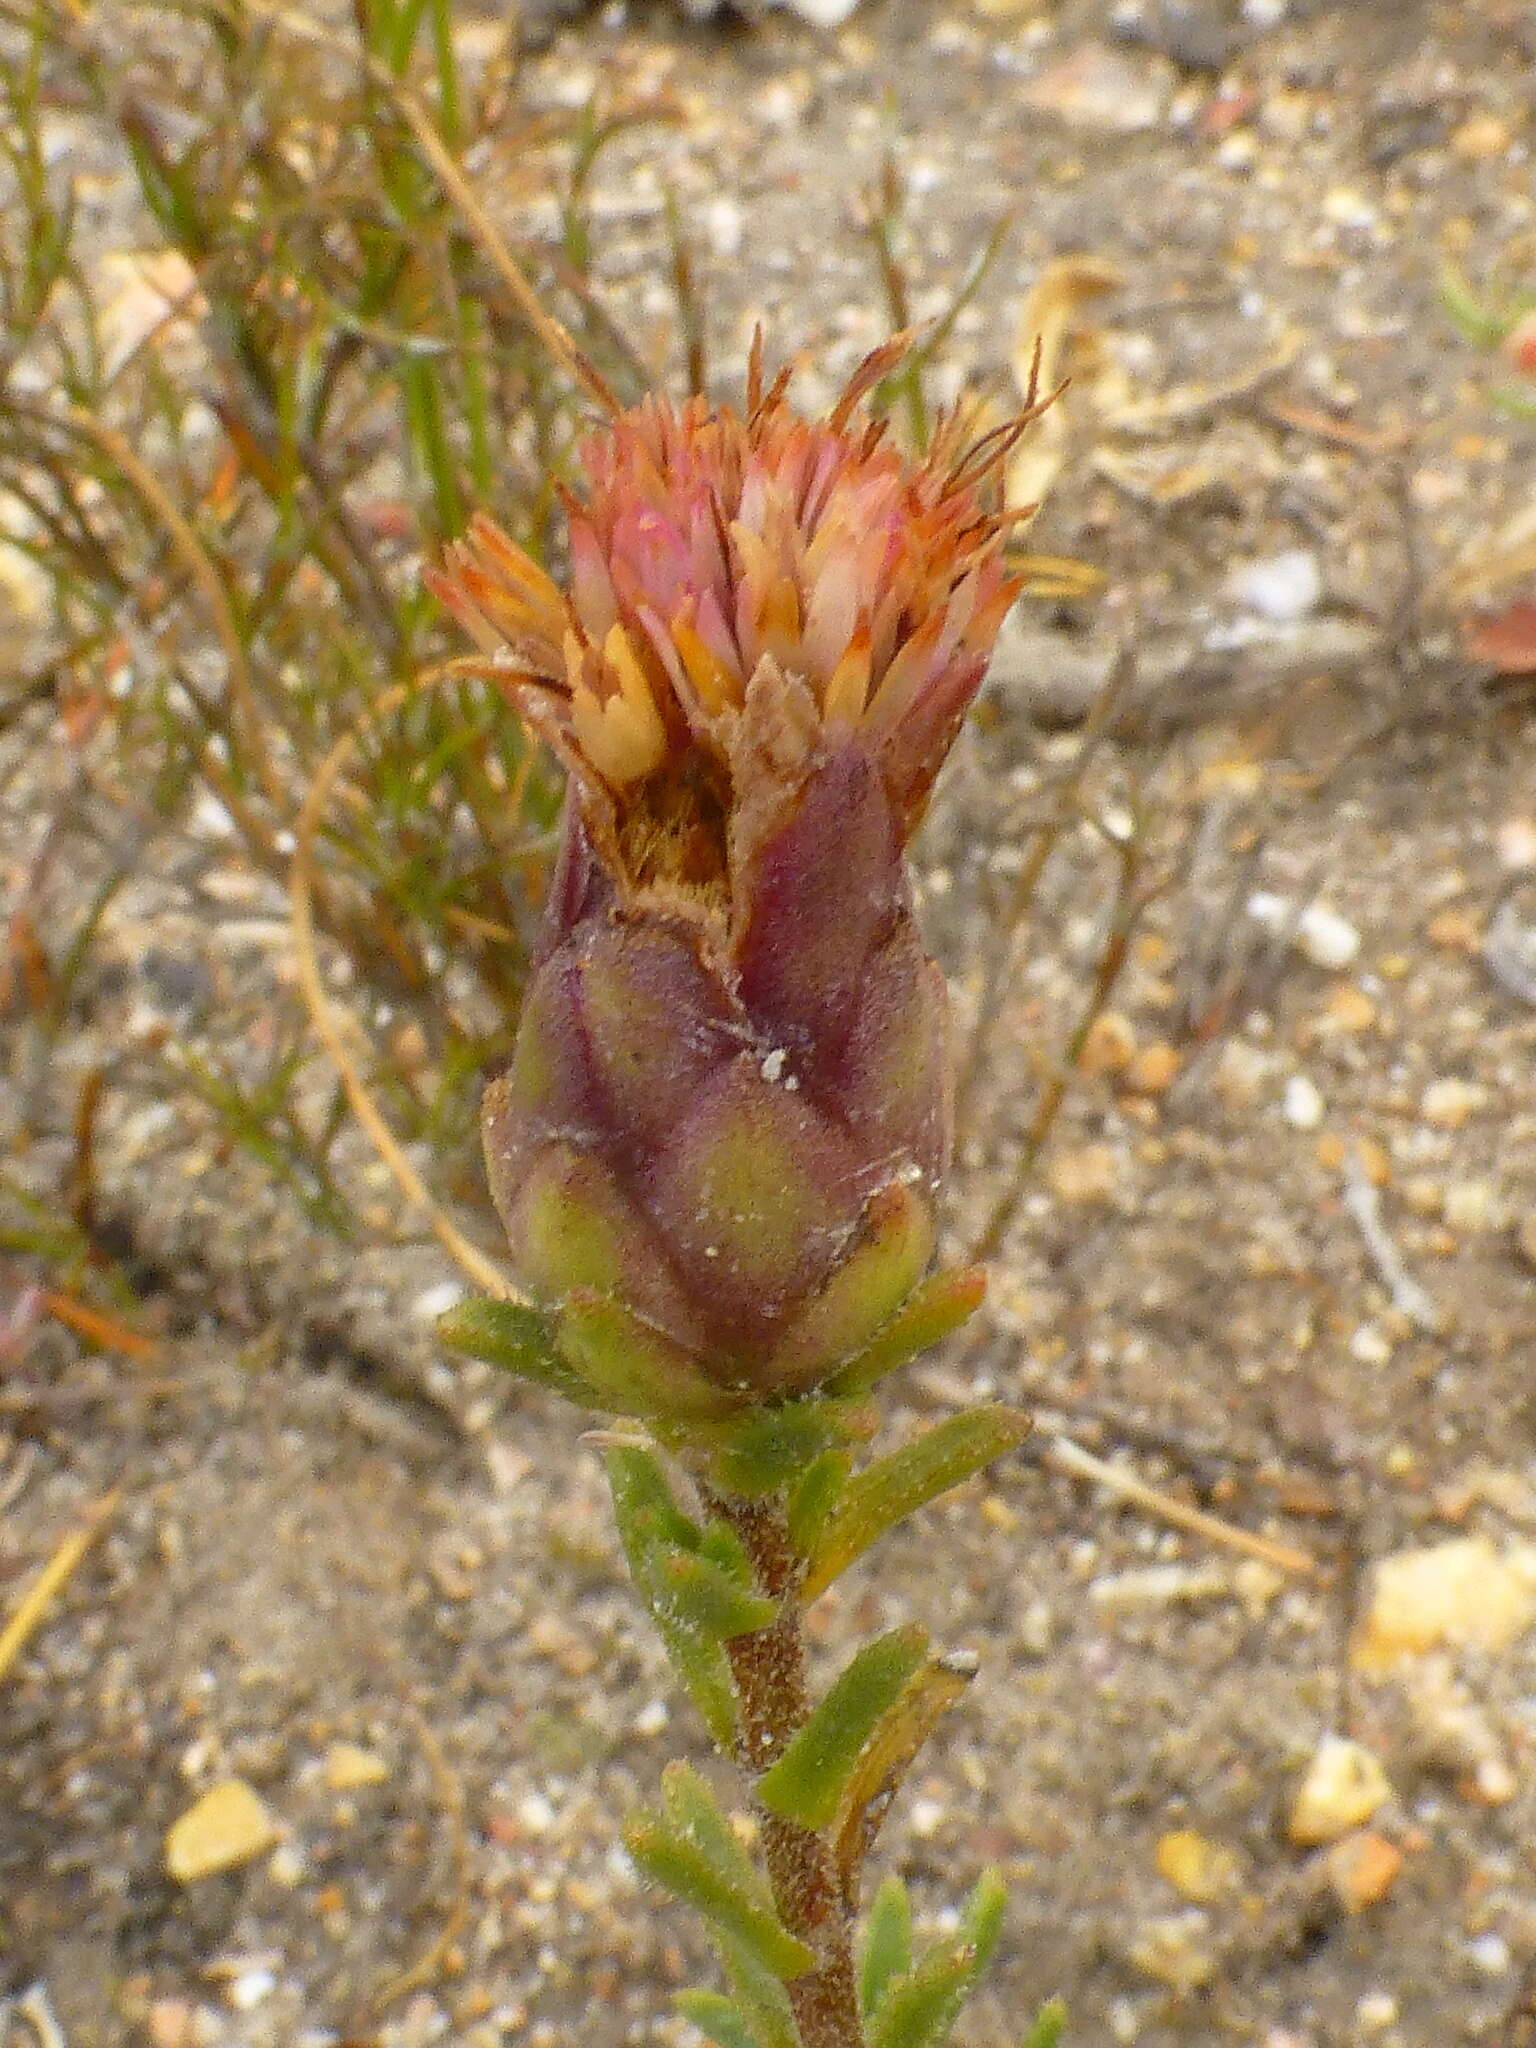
(718, 2019)
(908, 1479)
(768, 1447)
(678, 1862)
(695, 1813)
(883, 1761)
(517, 1338)
(929, 1314)
(1050, 2023)
(813, 1498)
(759, 1994)
(920, 2010)
(649, 1520)
(886, 1951)
(708, 1600)
(808, 1782)
(632, 1368)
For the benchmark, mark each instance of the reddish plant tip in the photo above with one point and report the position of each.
(745, 587)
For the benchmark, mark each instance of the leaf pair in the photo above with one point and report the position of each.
(601, 1355)
(695, 1580)
(914, 2003)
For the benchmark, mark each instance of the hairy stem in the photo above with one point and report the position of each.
(769, 1669)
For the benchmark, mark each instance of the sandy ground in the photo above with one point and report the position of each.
(382, 1591)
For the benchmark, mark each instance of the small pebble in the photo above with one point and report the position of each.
(1344, 1785)
(1490, 1954)
(1320, 934)
(1175, 1950)
(1448, 1103)
(1302, 1105)
(1102, 89)
(226, 1827)
(1089, 1173)
(1464, 1591)
(250, 1989)
(171, 2024)
(1370, 1346)
(1517, 844)
(1154, 1070)
(349, 1766)
(1282, 587)
(1109, 1047)
(927, 1818)
(1470, 1205)
(1362, 1868)
(1325, 938)
(436, 1301)
(536, 1814)
(1199, 1869)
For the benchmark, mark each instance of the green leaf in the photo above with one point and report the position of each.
(1050, 2022)
(813, 1498)
(723, 1547)
(929, 1314)
(708, 1600)
(650, 1523)
(516, 1337)
(696, 1814)
(643, 1502)
(885, 1758)
(920, 2010)
(807, 1783)
(631, 1367)
(718, 2018)
(679, 1863)
(759, 1994)
(886, 1951)
(908, 1479)
(768, 1447)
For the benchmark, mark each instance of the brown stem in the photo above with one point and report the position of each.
(769, 1669)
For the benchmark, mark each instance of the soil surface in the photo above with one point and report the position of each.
(1278, 1259)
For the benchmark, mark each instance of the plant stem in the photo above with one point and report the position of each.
(769, 1669)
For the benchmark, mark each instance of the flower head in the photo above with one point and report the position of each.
(745, 588)
(728, 1109)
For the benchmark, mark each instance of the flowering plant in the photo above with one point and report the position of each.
(720, 1145)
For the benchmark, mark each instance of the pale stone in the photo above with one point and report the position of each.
(1199, 1869)
(1464, 1593)
(226, 1827)
(348, 1767)
(1343, 1787)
